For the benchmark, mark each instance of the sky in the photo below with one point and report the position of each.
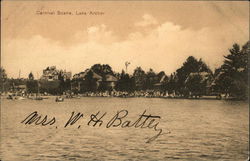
(151, 34)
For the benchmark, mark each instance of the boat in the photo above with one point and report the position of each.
(59, 99)
(10, 96)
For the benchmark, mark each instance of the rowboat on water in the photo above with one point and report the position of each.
(59, 99)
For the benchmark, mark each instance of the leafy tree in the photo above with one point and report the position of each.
(32, 86)
(31, 76)
(195, 85)
(3, 75)
(90, 83)
(52, 87)
(232, 76)
(171, 85)
(64, 84)
(151, 79)
(139, 77)
(192, 65)
(125, 83)
(3, 79)
(102, 70)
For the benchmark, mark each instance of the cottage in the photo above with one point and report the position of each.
(51, 74)
(87, 80)
(205, 82)
(109, 81)
(160, 83)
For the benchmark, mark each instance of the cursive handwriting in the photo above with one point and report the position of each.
(37, 120)
(73, 119)
(144, 121)
(120, 119)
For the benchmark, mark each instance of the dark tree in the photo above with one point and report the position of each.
(32, 86)
(139, 77)
(171, 85)
(3, 79)
(102, 70)
(195, 85)
(232, 76)
(151, 79)
(192, 65)
(31, 76)
(90, 83)
(125, 83)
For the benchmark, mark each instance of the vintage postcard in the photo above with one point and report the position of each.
(124, 80)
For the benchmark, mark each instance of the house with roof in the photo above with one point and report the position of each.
(52, 74)
(206, 80)
(91, 81)
(160, 83)
(109, 81)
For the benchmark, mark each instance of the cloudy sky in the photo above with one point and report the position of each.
(158, 35)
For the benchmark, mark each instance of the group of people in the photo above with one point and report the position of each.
(125, 94)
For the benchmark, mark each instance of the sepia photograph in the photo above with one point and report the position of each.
(124, 80)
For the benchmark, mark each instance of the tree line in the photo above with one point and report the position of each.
(193, 79)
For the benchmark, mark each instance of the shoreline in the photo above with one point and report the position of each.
(125, 97)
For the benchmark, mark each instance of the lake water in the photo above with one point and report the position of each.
(200, 130)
